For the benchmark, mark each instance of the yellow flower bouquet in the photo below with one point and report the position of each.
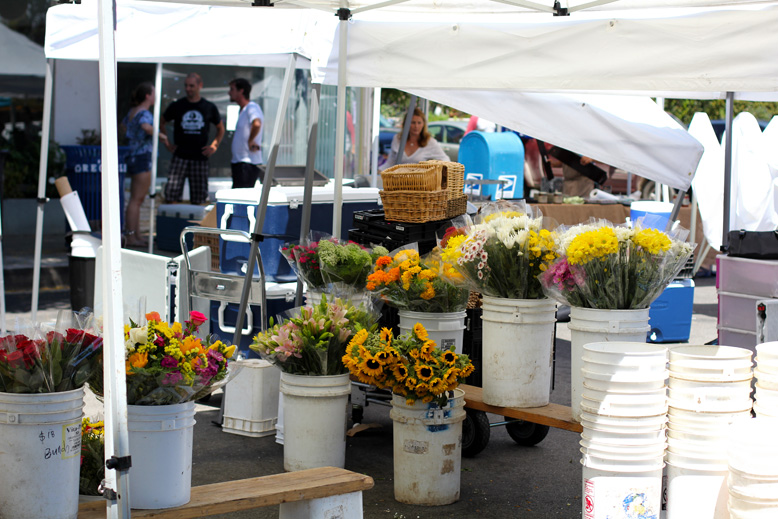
(614, 267)
(502, 253)
(408, 282)
(410, 365)
(168, 364)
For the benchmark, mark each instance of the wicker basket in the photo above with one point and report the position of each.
(414, 206)
(475, 300)
(453, 177)
(456, 206)
(413, 177)
(211, 241)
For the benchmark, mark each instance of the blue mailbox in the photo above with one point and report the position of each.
(493, 156)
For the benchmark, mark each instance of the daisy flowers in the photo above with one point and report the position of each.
(502, 253)
(410, 365)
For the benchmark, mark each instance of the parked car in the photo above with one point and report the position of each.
(448, 134)
(386, 133)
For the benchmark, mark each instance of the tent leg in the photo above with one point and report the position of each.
(340, 126)
(48, 93)
(155, 153)
(376, 137)
(730, 109)
(406, 128)
(3, 328)
(116, 436)
(313, 128)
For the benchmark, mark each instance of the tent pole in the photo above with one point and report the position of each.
(2, 275)
(340, 127)
(116, 436)
(730, 111)
(376, 137)
(155, 152)
(48, 93)
(267, 182)
(305, 224)
(406, 129)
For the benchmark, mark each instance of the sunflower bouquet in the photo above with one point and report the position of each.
(168, 363)
(606, 266)
(312, 339)
(408, 282)
(410, 365)
(92, 457)
(503, 251)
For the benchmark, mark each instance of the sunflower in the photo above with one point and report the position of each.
(467, 370)
(359, 338)
(410, 382)
(424, 372)
(450, 358)
(371, 366)
(414, 353)
(400, 371)
(427, 349)
(437, 385)
(386, 336)
(382, 357)
(420, 331)
(427, 399)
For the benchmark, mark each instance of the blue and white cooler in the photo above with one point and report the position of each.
(236, 209)
(224, 316)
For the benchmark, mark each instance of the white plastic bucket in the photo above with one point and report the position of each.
(589, 325)
(759, 486)
(702, 457)
(711, 402)
(251, 401)
(161, 441)
(706, 448)
(40, 453)
(749, 507)
(706, 420)
(655, 214)
(753, 448)
(768, 367)
(314, 420)
(638, 397)
(517, 351)
(710, 376)
(642, 356)
(765, 379)
(446, 329)
(710, 357)
(765, 412)
(696, 462)
(650, 407)
(696, 493)
(768, 352)
(655, 449)
(623, 428)
(767, 398)
(427, 450)
(623, 382)
(607, 489)
(624, 437)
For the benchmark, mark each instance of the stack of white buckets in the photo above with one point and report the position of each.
(766, 374)
(623, 414)
(709, 389)
(753, 469)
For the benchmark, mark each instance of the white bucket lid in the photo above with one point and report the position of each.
(627, 377)
(768, 351)
(722, 376)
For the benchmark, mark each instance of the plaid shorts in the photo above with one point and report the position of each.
(197, 173)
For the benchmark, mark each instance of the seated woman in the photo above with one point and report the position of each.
(420, 146)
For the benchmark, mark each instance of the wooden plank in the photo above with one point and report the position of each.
(246, 494)
(553, 415)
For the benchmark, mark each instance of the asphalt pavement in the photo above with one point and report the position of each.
(505, 480)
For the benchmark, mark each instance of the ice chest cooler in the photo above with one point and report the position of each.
(236, 209)
(171, 220)
(224, 316)
(670, 315)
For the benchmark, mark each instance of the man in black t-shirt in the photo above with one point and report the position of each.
(192, 116)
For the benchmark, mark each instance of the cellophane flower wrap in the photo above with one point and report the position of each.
(92, 470)
(169, 364)
(410, 365)
(503, 251)
(311, 340)
(407, 281)
(346, 265)
(303, 257)
(614, 267)
(51, 361)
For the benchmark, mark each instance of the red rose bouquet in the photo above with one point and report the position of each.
(50, 362)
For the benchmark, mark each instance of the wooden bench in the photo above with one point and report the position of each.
(553, 415)
(307, 494)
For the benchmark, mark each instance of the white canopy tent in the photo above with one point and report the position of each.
(21, 71)
(656, 64)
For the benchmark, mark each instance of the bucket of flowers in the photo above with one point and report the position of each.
(307, 345)
(425, 290)
(609, 275)
(42, 377)
(92, 457)
(500, 254)
(168, 367)
(427, 408)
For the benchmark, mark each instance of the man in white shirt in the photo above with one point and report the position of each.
(247, 140)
